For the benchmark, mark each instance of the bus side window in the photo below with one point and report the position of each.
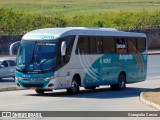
(82, 45)
(132, 45)
(108, 45)
(141, 45)
(99, 45)
(92, 45)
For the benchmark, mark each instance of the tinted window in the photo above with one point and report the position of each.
(89, 45)
(132, 45)
(108, 45)
(92, 45)
(12, 63)
(5, 63)
(99, 44)
(141, 44)
(82, 45)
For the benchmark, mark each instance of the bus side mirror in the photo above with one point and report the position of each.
(12, 46)
(63, 48)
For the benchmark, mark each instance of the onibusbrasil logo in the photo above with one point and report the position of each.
(21, 114)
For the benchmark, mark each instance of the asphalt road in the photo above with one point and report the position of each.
(7, 82)
(101, 99)
(153, 66)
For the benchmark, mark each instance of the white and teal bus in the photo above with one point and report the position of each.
(73, 57)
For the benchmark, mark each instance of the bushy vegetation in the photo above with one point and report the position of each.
(20, 22)
(79, 7)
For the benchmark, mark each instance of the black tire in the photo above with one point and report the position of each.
(121, 83)
(113, 87)
(91, 88)
(74, 87)
(40, 91)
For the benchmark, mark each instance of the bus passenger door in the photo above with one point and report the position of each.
(64, 59)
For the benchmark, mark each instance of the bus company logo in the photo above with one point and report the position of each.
(21, 115)
(40, 36)
(33, 80)
(6, 114)
(26, 76)
(125, 57)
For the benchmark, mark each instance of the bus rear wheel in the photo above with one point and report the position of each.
(40, 91)
(74, 87)
(121, 85)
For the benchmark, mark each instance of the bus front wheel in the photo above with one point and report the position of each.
(74, 87)
(121, 85)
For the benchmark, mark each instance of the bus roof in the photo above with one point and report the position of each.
(54, 33)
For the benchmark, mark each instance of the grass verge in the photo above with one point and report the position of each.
(153, 95)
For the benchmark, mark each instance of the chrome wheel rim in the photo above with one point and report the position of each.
(122, 82)
(74, 85)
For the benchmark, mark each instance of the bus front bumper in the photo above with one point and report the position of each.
(36, 84)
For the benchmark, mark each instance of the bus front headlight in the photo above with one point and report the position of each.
(50, 78)
(18, 78)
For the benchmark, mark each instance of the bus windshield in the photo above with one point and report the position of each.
(37, 55)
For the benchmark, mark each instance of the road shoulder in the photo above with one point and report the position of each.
(10, 88)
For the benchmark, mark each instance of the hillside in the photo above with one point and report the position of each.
(20, 16)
